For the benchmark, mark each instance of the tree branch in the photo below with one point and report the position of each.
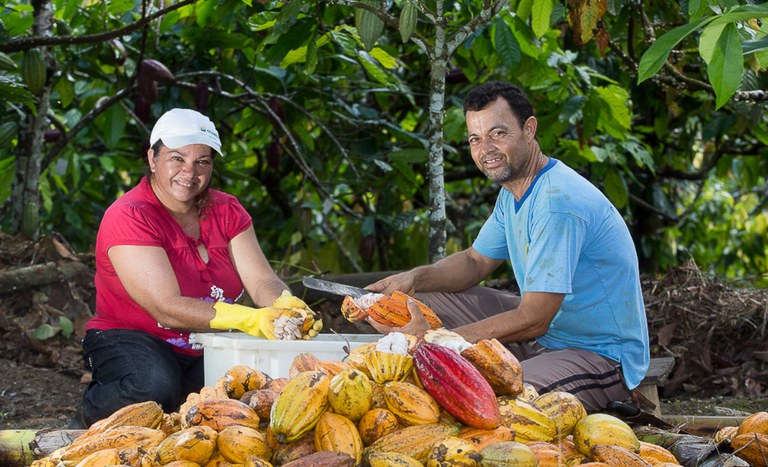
(490, 9)
(24, 43)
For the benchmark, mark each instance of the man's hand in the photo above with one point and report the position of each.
(404, 282)
(270, 322)
(417, 326)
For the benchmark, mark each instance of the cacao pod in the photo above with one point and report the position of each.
(298, 449)
(392, 459)
(323, 459)
(411, 404)
(617, 455)
(375, 424)
(457, 386)
(755, 423)
(338, 433)
(414, 441)
(240, 379)
(369, 26)
(298, 407)
(655, 454)
(497, 365)
(751, 447)
(387, 366)
(157, 71)
(507, 453)
(33, 70)
(408, 19)
(452, 451)
(119, 438)
(528, 421)
(351, 394)
(236, 443)
(220, 413)
(598, 428)
(195, 444)
(481, 438)
(563, 408)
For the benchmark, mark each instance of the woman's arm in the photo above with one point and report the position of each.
(148, 277)
(258, 277)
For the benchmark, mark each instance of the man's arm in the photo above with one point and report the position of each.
(454, 273)
(529, 320)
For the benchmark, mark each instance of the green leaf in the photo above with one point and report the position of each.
(371, 67)
(67, 328)
(616, 188)
(743, 13)
(540, 15)
(44, 331)
(756, 45)
(414, 156)
(708, 41)
(727, 67)
(524, 8)
(16, 93)
(529, 44)
(114, 125)
(616, 117)
(385, 59)
(506, 44)
(697, 9)
(653, 58)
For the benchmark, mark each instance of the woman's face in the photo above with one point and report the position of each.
(181, 174)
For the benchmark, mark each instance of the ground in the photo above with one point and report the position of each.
(715, 332)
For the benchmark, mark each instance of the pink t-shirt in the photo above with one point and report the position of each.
(138, 218)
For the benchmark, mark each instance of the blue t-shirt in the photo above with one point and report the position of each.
(564, 236)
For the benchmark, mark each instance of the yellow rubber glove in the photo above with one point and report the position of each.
(269, 323)
(313, 324)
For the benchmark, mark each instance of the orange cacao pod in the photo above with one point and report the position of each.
(497, 365)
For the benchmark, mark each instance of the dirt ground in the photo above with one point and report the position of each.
(716, 333)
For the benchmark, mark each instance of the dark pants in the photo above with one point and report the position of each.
(133, 366)
(594, 379)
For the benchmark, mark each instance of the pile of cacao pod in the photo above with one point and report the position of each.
(395, 402)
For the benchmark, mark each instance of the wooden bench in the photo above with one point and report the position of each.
(657, 375)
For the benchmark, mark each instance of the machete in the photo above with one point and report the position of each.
(334, 288)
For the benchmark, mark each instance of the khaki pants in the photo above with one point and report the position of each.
(594, 379)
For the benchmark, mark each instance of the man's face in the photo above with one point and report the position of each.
(500, 149)
(180, 174)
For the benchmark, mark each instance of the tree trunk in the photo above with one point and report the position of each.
(25, 211)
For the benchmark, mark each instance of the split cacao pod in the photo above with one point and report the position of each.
(457, 386)
(497, 365)
(387, 366)
(298, 407)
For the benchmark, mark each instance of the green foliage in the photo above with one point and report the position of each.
(326, 131)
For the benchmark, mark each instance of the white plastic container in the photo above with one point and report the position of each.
(225, 350)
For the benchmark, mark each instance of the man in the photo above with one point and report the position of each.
(572, 256)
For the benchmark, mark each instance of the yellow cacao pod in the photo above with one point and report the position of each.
(498, 366)
(339, 434)
(452, 451)
(236, 443)
(507, 453)
(299, 406)
(195, 444)
(392, 459)
(755, 423)
(240, 379)
(411, 404)
(603, 429)
(751, 447)
(655, 454)
(351, 394)
(481, 437)
(101, 458)
(386, 366)
(119, 438)
(563, 408)
(527, 420)
(415, 441)
(375, 424)
(220, 413)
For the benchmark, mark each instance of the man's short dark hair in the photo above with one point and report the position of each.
(485, 94)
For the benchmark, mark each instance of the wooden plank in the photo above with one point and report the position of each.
(659, 370)
(703, 425)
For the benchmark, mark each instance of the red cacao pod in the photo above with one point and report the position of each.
(457, 385)
(157, 71)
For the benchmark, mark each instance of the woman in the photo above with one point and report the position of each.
(172, 257)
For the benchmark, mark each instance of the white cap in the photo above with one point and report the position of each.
(181, 127)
